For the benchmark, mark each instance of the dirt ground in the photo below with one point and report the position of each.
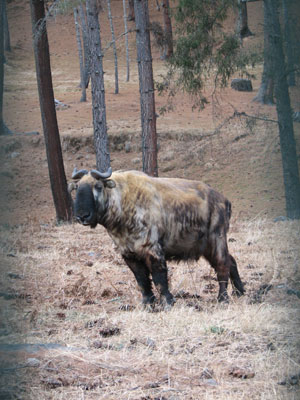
(186, 148)
(65, 286)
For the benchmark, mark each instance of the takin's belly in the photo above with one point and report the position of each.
(186, 246)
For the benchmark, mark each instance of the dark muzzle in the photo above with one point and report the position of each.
(85, 207)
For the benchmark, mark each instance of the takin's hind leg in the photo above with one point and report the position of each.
(224, 264)
(225, 268)
(142, 276)
(222, 271)
(235, 278)
(220, 263)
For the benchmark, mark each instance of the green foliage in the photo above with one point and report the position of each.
(203, 49)
(217, 329)
(63, 6)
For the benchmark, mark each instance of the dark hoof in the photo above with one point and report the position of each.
(149, 300)
(167, 302)
(149, 303)
(223, 298)
(168, 306)
(238, 293)
(149, 307)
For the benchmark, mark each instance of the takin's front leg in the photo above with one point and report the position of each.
(159, 272)
(142, 276)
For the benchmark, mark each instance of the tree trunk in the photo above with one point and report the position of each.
(289, 41)
(4, 130)
(167, 29)
(265, 92)
(61, 197)
(126, 43)
(7, 46)
(243, 28)
(131, 16)
(98, 91)
(2, 125)
(284, 112)
(86, 50)
(148, 116)
(114, 46)
(81, 66)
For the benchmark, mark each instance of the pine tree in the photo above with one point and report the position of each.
(98, 90)
(61, 197)
(148, 116)
(284, 113)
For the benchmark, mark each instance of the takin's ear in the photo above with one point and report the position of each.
(109, 183)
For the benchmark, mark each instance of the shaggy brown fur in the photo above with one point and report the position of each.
(152, 220)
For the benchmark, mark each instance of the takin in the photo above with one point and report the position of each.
(153, 220)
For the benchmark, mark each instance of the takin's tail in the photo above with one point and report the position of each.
(228, 209)
(228, 213)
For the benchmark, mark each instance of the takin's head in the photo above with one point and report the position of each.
(91, 195)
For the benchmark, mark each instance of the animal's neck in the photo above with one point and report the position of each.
(110, 215)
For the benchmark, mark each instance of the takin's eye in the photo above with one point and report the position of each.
(98, 187)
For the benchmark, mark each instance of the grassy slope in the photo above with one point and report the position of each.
(71, 291)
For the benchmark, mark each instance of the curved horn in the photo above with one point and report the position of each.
(79, 174)
(101, 175)
(72, 186)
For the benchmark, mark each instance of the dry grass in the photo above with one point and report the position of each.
(71, 289)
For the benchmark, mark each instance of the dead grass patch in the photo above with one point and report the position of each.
(75, 290)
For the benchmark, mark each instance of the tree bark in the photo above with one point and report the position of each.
(126, 42)
(144, 60)
(2, 125)
(243, 28)
(81, 66)
(131, 16)
(7, 46)
(114, 46)
(61, 197)
(266, 89)
(4, 130)
(85, 40)
(98, 91)
(284, 112)
(289, 41)
(167, 29)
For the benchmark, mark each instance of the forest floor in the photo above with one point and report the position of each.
(65, 289)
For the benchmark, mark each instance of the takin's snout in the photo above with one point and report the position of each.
(85, 207)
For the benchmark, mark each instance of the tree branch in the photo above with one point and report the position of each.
(243, 114)
(117, 38)
(40, 25)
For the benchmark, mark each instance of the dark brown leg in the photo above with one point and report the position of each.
(142, 276)
(218, 257)
(222, 275)
(159, 272)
